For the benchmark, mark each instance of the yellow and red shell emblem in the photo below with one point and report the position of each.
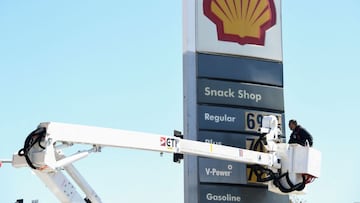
(241, 21)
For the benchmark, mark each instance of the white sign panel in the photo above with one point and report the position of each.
(239, 27)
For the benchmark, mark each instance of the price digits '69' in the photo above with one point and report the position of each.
(253, 120)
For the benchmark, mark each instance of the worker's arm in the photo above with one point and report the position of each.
(306, 136)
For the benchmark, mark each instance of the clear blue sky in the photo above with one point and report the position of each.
(118, 64)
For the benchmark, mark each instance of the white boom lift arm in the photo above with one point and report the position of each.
(286, 168)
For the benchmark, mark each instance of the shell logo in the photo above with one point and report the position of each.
(241, 21)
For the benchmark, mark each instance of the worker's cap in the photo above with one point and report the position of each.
(293, 121)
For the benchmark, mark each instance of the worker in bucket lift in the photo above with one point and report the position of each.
(299, 135)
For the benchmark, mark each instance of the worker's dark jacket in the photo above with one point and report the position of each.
(300, 135)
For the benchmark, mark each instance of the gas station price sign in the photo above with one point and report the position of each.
(253, 120)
